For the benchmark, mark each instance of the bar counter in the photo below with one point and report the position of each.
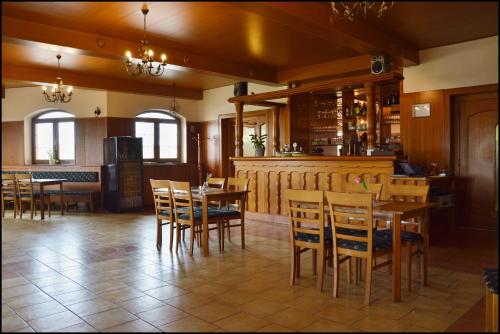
(270, 176)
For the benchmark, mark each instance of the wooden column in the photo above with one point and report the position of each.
(239, 129)
(370, 118)
(276, 129)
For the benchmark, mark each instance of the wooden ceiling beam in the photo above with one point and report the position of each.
(72, 41)
(314, 18)
(330, 68)
(268, 104)
(47, 77)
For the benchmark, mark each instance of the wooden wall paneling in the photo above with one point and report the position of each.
(422, 137)
(94, 132)
(117, 126)
(192, 148)
(80, 131)
(13, 143)
(210, 148)
(299, 128)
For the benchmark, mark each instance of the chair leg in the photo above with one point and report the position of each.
(32, 207)
(314, 260)
(349, 270)
(191, 240)
(336, 273)
(3, 208)
(293, 268)
(218, 236)
(321, 269)
(242, 229)
(177, 237)
(158, 234)
(171, 235)
(408, 266)
(368, 280)
(297, 266)
(228, 231)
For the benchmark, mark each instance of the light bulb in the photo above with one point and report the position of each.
(128, 55)
(53, 89)
(150, 53)
(70, 89)
(44, 89)
(163, 57)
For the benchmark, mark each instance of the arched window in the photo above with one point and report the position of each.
(53, 131)
(161, 135)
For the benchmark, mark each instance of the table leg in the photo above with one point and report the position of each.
(42, 202)
(205, 226)
(396, 258)
(61, 194)
(426, 246)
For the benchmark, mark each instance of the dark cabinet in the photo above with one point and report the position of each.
(122, 174)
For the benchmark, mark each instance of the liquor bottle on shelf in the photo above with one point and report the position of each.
(347, 112)
(363, 109)
(393, 98)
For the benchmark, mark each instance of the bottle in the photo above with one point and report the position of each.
(356, 109)
(347, 113)
(364, 109)
(393, 98)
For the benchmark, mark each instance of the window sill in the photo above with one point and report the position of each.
(153, 163)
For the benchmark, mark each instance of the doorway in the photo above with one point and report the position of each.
(476, 160)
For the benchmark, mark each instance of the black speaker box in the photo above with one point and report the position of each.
(241, 88)
(380, 64)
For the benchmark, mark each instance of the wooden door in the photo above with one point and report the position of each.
(476, 161)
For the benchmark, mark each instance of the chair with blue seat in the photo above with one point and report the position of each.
(306, 218)
(25, 193)
(188, 217)
(163, 209)
(234, 211)
(351, 217)
(413, 232)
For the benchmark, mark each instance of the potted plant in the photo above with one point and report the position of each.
(258, 143)
(52, 157)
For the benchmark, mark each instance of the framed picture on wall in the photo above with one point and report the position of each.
(421, 110)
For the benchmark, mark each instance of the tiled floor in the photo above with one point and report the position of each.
(102, 272)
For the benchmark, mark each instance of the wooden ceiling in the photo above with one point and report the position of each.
(214, 44)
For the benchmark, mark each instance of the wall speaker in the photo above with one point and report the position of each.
(380, 64)
(241, 88)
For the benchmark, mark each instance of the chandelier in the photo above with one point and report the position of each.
(350, 9)
(145, 64)
(57, 94)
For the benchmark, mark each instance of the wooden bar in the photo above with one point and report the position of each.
(311, 172)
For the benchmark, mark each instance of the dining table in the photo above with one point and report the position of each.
(216, 194)
(48, 182)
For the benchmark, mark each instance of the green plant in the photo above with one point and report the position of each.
(52, 157)
(258, 141)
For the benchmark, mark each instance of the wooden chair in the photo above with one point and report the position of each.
(374, 188)
(413, 232)
(163, 209)
(9, 192)
(26, 193)
(307, 230)
(354, 236)
(235, 210)
(186, 216)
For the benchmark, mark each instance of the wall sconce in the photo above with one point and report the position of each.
(97, 111)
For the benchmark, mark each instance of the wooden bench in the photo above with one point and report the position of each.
(81, 186)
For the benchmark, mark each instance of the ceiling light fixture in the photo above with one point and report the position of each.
(350, 9)
(145, 64)
(57, 94)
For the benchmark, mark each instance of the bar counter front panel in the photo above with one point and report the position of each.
(270, 176)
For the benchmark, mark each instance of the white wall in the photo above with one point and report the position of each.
(215, 102)
(466, 64)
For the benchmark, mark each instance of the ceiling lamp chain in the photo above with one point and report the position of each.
(57, 94)
(350, 9)
(145, 64)
(175, 106)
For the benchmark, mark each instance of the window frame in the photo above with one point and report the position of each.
(157, 121)
(55, 135)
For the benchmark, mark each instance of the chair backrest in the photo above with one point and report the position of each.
(306, 217)
(181, 198)
(24, 185)
(216, 182)
(351, 214)
(9, 187)
(374, 188)
(239, 183)
(162, 199)
(409, 193)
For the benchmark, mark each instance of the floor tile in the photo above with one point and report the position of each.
(26, 300)
(242, 322)
(78, 328)
(213, 311)
(109, 318)
(54, 322)
(141, 304)
(373, 323)
(262, 307)
(91, 306)
(274, 329)
(189, 324)
(292, 318)
(133, 326)
(165, 292)
(162, 315)
(324, 325)
(40, 310)
(12, 322)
